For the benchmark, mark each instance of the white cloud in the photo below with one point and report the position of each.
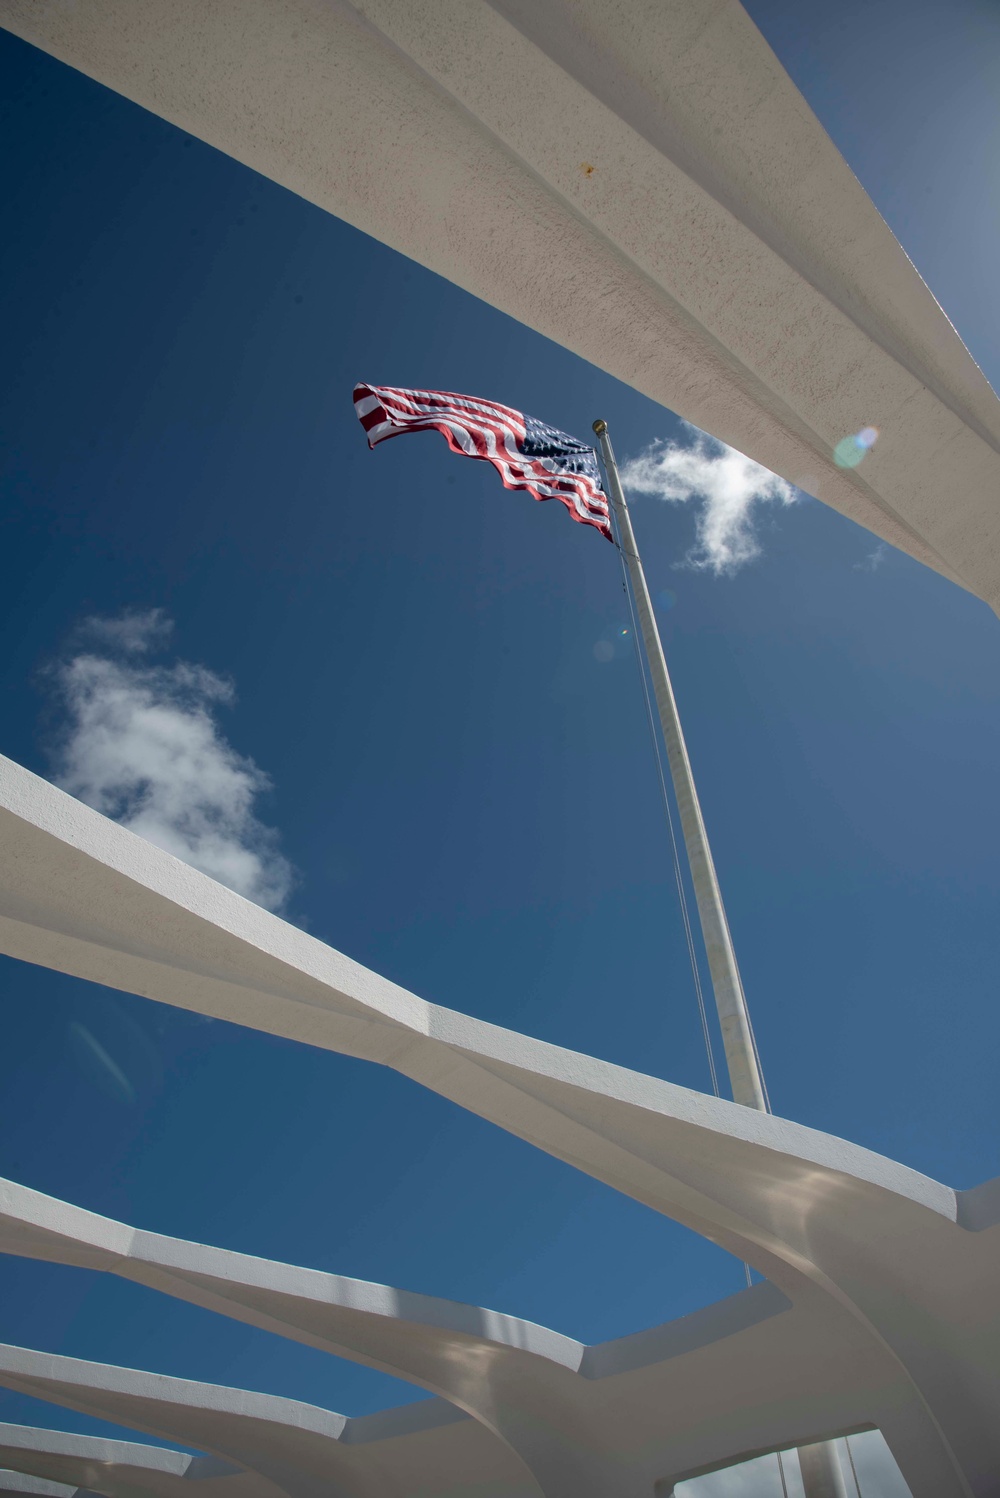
(142, 745)
(728, 486)
(873, 560)
(135, 631)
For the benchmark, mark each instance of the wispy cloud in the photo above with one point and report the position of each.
(134, 631)
(873, 561)
(727, 487)
(142, 744)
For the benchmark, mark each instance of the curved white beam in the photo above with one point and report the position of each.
(882, 1246)
(288, 1447)
(641, 182)
(20, 1485)
(120, 1469)
(708, 1390)
(285, 1448)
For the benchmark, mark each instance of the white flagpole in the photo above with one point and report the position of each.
(822, 1476)
(730, 1001)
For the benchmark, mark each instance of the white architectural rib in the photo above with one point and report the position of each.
(120, 1469)
(641, 182)
(710, 1389)
(893, 1254)
(20, 1485)
(285, 1449)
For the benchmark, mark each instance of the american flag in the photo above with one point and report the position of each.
(526, 453)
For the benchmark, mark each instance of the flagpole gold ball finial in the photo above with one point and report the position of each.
(600, 427)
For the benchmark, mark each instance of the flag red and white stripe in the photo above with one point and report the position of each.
(526, 453)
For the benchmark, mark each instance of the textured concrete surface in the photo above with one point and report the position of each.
(735, 1378)
(896, 1275)
(259, 1446)
(25, 1486)
(641, 182)
(119, 1469)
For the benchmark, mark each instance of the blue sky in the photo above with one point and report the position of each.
(465, 792)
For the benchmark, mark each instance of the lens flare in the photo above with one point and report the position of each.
(103, 1068)
(604, 651)
(850, 450)
(666, 598)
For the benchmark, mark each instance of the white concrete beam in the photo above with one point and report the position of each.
(21, 1485)
(708, 1390)
(640, 182)
(120, 1469)
(275, 1448)
(911, 1262)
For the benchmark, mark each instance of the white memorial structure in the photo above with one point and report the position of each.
(672, 211)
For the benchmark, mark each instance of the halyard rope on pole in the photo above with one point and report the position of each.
(742, 1059)
(678, 874)
(818, 1462)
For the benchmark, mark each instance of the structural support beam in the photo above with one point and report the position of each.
(263, 1446)
(906, 1263)
(640, 182)
(725, 1382)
